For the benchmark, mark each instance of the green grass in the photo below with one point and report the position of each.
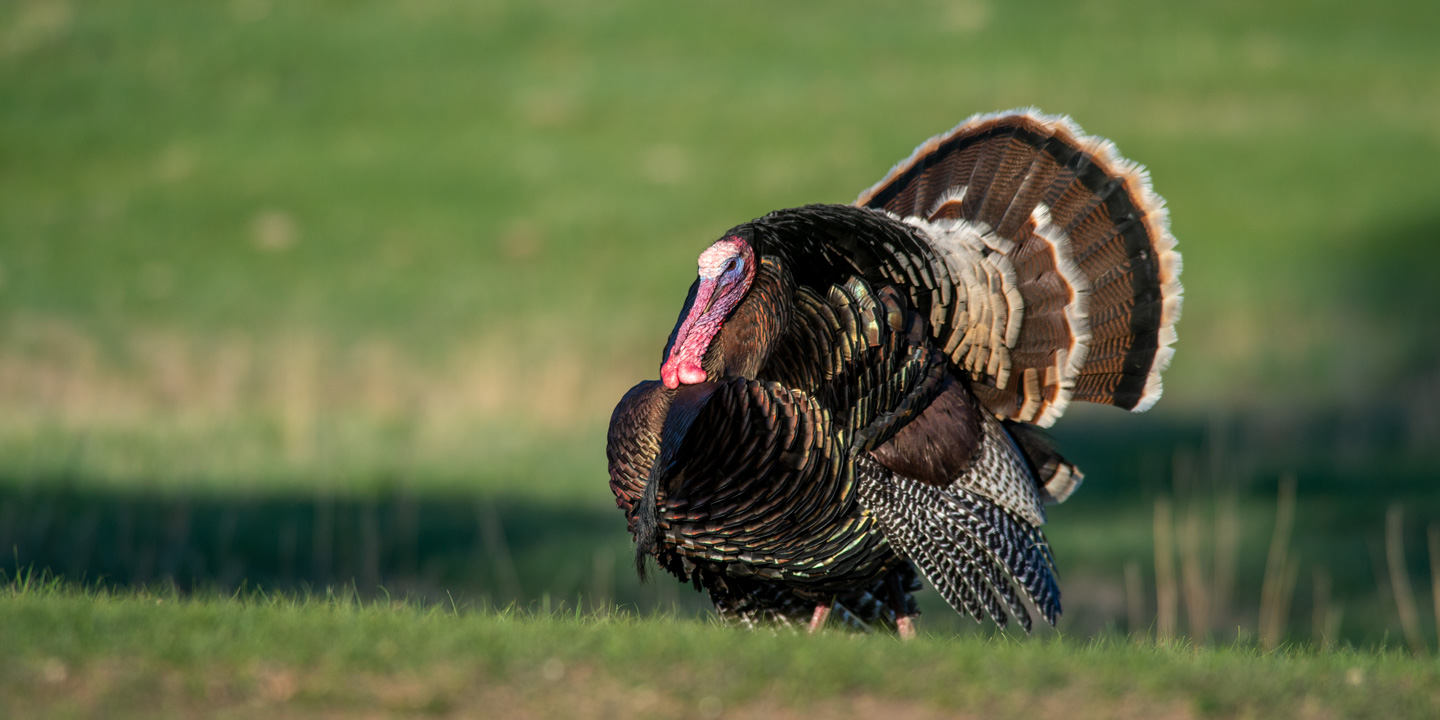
(325, 294)
(438, 177)
(377, 232)
(72, 654)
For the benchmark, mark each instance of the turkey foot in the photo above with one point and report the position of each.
(905, 625)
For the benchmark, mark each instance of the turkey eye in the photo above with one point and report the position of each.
(730, 265)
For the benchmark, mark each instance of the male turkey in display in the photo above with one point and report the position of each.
(853, 392)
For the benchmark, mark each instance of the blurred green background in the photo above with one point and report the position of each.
(305, 294)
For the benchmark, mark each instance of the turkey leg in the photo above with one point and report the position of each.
(817, 621)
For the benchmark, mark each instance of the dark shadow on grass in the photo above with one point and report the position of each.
(470, 547)
(433, 547)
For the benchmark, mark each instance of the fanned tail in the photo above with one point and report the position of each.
(1069, 265)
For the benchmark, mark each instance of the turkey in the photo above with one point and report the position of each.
(852, 395)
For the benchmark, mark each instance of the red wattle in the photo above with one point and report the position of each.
(681, 370)
(691, 372)
(718, 292)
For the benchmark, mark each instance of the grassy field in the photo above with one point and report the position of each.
(325, 295)
(85, 655)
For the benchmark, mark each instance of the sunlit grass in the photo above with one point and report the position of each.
(442, 175)
(149, 655)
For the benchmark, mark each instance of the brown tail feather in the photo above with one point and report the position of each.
(1056, 477)
(1081, 235)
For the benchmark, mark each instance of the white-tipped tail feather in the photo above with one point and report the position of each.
(1070, 274)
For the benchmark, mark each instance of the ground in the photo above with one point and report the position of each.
(139, 655)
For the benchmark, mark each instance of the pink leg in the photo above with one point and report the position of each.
(817, 621)
(905, 625)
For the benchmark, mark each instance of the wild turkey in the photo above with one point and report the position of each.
(853, 389)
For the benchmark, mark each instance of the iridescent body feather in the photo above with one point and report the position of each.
(853, 393)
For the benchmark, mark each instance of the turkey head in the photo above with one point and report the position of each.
(727, 269)
(736, 308)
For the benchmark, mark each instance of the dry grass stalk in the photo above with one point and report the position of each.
(1192, 574)
(371, 543)
(1332, 622)
(1287, 595)
(1227, 550)
(1320, 609)
(1434, 537)
(1400, 578)
(602, 579)
(1134, 597)
(322, 539)
(1274, 598)
(1166, 595)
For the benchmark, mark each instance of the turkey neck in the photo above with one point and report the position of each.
(747, 337)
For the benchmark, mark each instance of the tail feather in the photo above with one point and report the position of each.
(1031, 198)
(1031, 184)
(1056, 477)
